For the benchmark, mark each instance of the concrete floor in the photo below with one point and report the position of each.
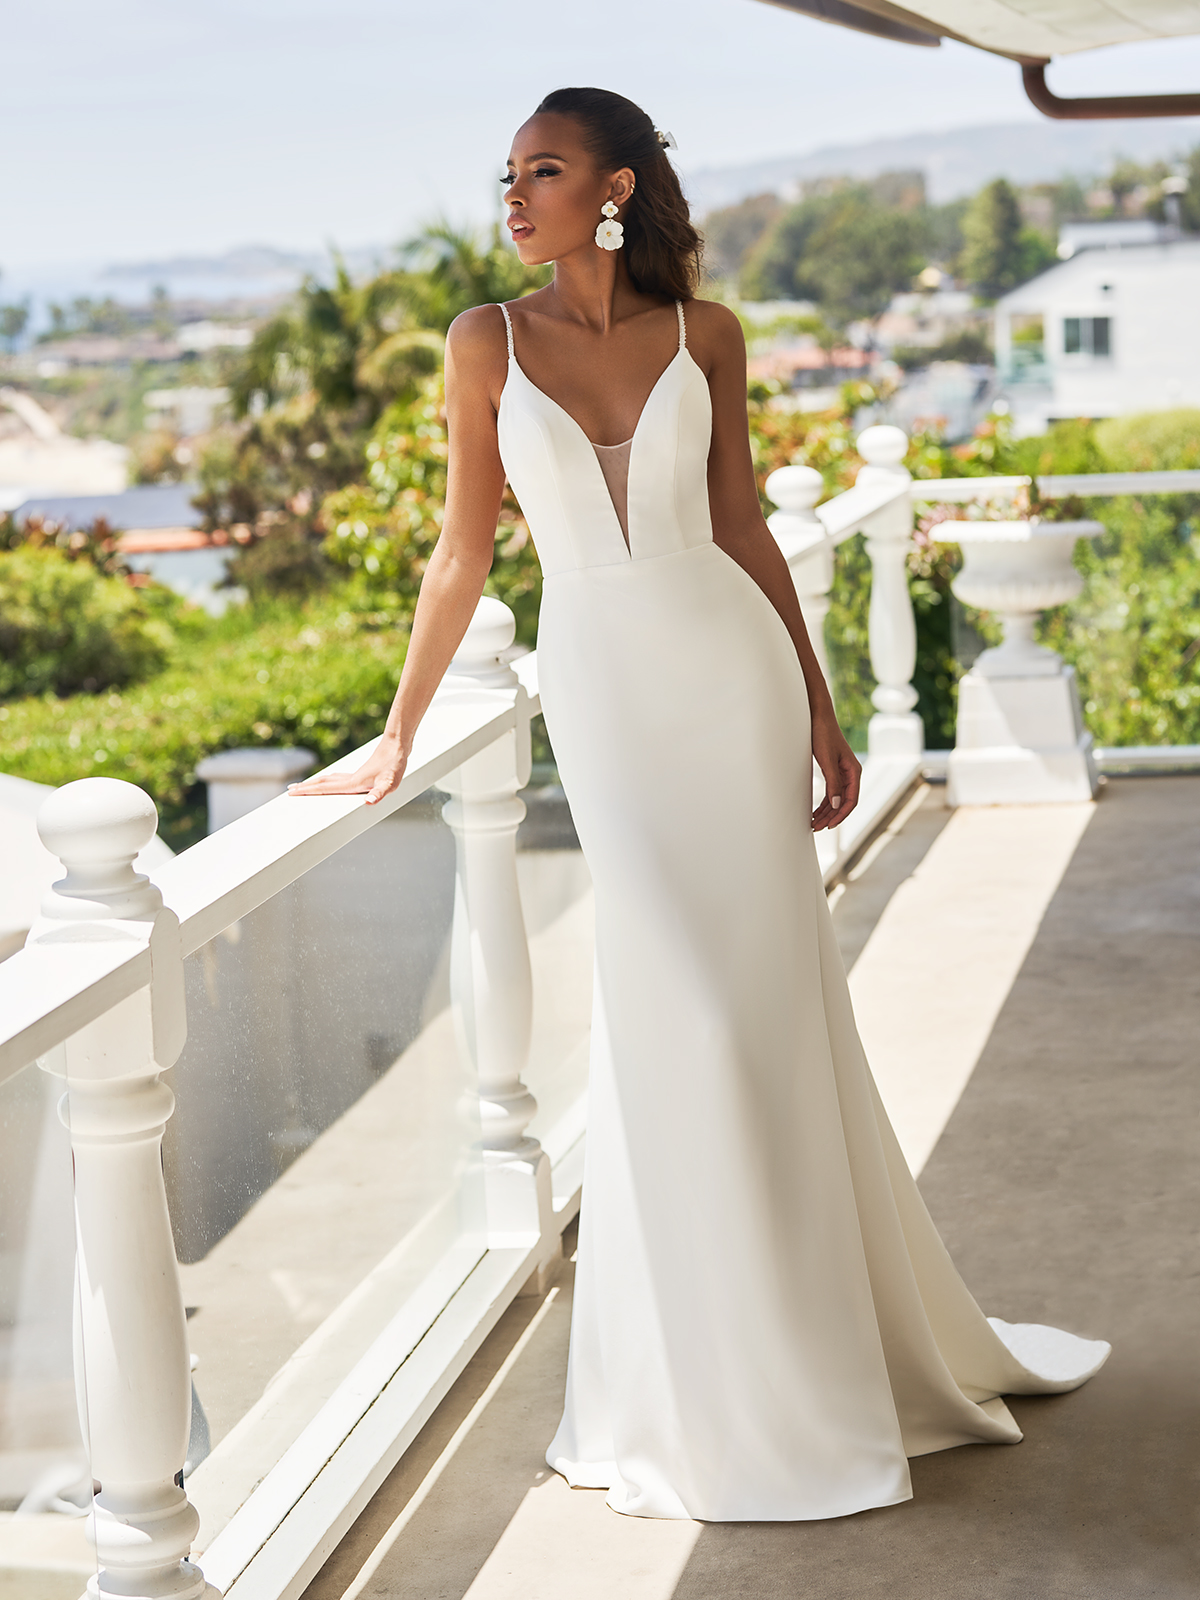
(1065, 1185)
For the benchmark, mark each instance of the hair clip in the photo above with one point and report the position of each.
(667, 140)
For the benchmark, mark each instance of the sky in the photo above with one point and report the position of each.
(145, 128)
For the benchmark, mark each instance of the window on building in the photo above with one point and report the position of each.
(1087, 336)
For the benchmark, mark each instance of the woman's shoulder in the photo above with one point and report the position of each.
(477, 334)
(714, 336)
(713, 320)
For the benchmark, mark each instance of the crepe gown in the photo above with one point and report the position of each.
(766, 1323)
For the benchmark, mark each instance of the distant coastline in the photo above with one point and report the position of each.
(252, 261)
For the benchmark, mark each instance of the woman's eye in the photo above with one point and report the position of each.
(510, 178)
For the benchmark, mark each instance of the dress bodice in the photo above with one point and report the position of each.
(563, 489)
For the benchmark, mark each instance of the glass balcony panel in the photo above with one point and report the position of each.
(847, 646)
(323, 1159)
(44, 1469)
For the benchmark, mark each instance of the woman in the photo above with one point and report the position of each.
(766, 1323)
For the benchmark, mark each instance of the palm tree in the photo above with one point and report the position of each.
(319, 375)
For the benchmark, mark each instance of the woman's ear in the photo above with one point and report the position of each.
(622, 186)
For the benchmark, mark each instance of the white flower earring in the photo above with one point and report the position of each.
(610, 235)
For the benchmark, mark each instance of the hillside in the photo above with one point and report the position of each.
(956, 161)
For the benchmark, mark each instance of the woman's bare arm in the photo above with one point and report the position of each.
(461, 559)
(739, 529)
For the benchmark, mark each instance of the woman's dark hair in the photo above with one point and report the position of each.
(662, 249)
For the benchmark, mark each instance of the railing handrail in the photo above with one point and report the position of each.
(1056, 486)
(231, 873)
(845, 514)
(801, 526)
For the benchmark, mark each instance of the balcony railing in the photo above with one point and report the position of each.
(402, 1202)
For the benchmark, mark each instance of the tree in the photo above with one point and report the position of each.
(449, 270)
(999, 251)
(844, 250)
(14, 319)
(310, 389)
(85, 315)
(1189, 201)
(770, 270)
(732, 232)
(858, 257)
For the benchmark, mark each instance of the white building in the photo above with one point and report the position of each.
(1109, 331)
(187, 410)
(36, 457)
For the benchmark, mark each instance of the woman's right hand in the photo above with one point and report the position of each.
(379, 774)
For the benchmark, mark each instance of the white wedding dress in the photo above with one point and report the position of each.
(766, 1322)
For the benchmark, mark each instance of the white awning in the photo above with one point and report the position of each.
(1029, 30)
(1059, 27)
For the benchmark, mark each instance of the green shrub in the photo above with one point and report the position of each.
(65, 627)
(321, 676)
(1133, 636)
(95, 544)
(384, 530)
(1153, 441)
(285, 559)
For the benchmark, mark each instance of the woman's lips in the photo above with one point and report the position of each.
(520, 229)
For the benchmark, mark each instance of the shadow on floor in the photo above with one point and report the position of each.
(1065, 1186)
(438, 1516)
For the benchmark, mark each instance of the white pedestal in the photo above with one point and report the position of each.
(1020, 741)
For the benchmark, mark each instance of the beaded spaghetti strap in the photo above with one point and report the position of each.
(508, 329)
(682, 325)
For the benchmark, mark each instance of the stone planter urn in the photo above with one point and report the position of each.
(1020, 736)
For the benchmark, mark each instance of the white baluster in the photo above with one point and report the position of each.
(131, 1356)
(801, 536)
(490, 979)
(895, 729)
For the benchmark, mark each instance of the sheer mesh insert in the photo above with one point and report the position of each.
(614, 464)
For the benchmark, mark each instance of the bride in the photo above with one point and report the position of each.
(766, 1323)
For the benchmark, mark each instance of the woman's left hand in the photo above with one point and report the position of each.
(842, 771)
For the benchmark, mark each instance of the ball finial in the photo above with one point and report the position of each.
(490, 632)
(795, 489)
(883, 445)
(95, 827)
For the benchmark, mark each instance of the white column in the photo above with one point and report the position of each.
(131, 1356)
(895, 729)
(806, 546)
(242, 780)
(491, 983)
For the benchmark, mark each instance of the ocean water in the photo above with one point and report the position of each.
(61, 283)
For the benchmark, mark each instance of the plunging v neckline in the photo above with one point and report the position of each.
(513, 362)
(594, 450)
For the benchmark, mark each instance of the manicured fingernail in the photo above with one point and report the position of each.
(836, 802)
